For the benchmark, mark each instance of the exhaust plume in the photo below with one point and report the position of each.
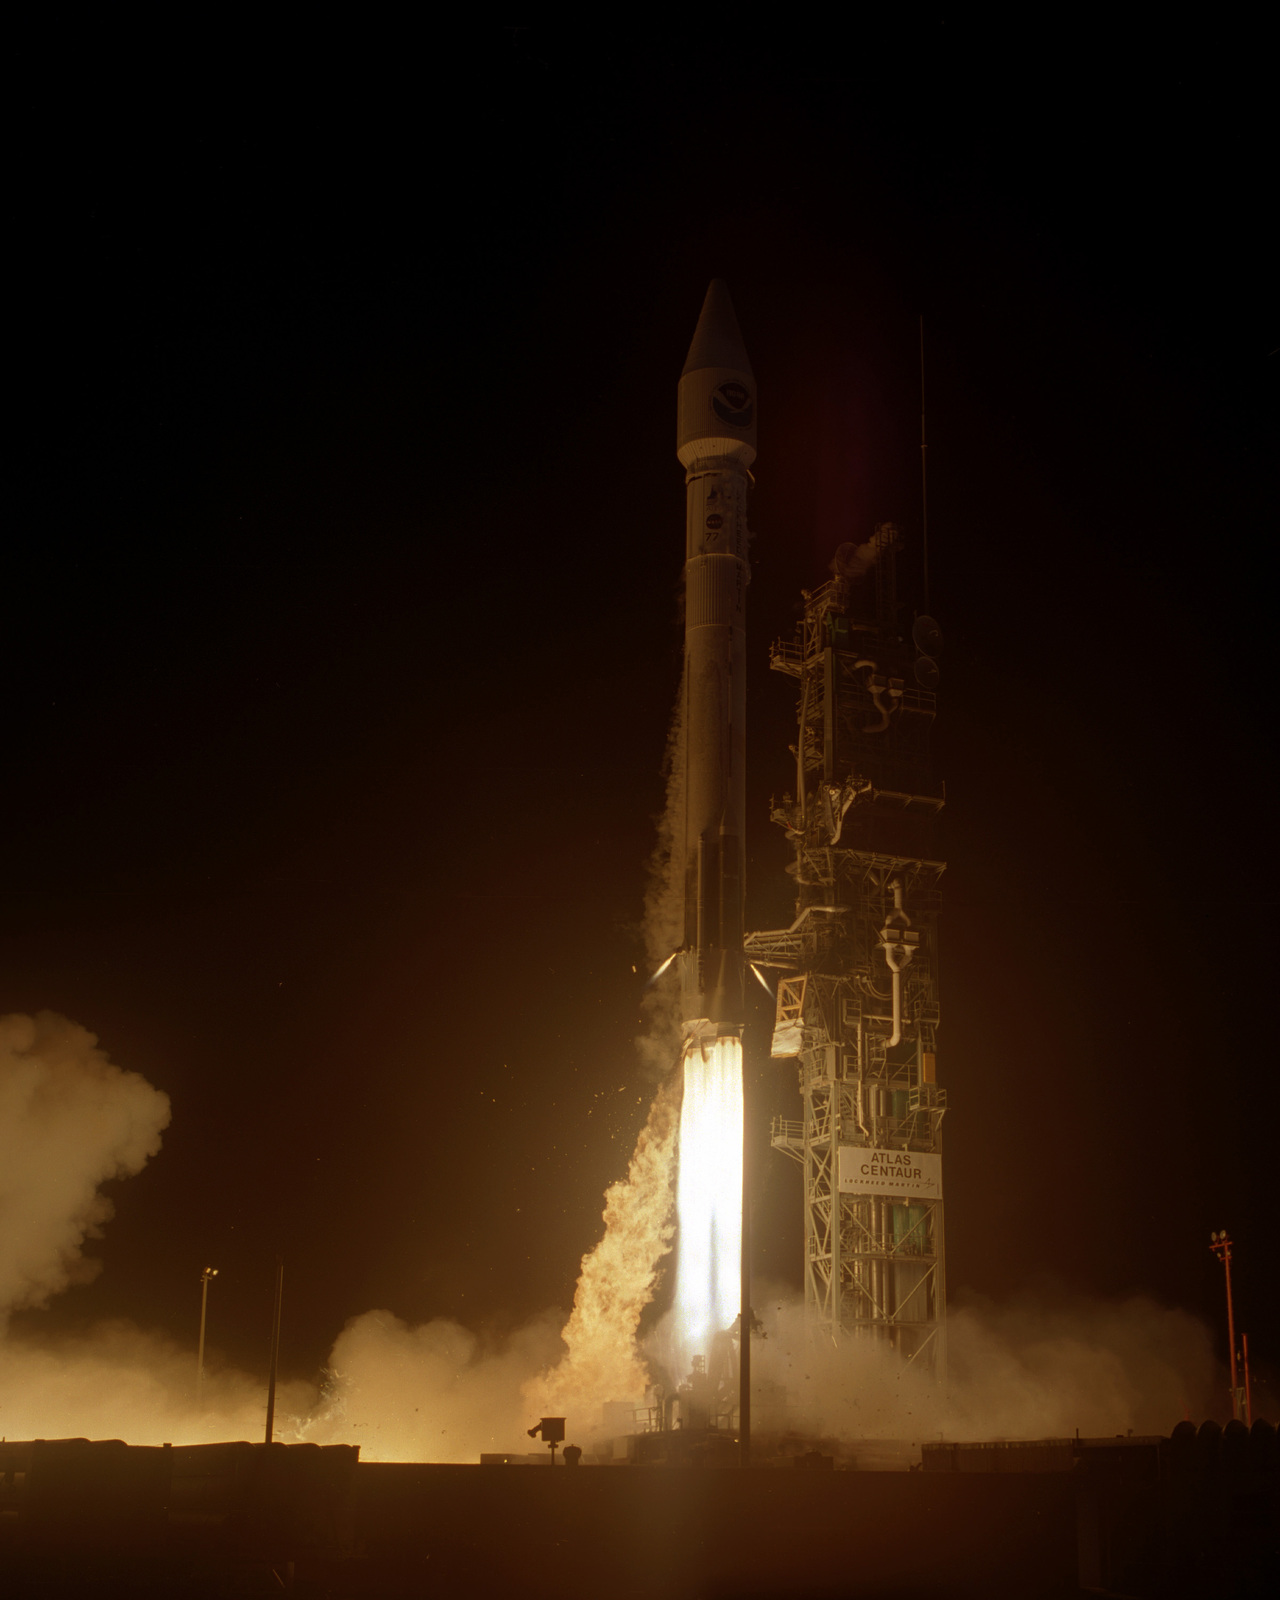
(708, 1200)
(602, 1360)
(659, 1043)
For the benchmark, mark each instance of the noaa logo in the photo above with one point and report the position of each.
(731, 402)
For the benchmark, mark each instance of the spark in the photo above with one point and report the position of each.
(764, 982)
(661, 969)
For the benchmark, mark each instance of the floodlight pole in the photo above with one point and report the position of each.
(275, 1349)
(1220, 1244)
(209, 1272)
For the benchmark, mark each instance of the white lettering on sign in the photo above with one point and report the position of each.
(910, 1173)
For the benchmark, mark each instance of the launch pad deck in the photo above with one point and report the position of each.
(1140, 1519)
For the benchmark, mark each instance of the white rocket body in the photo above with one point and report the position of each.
(716, 444)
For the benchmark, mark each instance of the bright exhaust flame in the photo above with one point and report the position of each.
(709, 1198)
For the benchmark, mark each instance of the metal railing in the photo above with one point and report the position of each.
(784, 1131)
(784, 657)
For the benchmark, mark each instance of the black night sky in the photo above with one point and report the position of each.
(341, 629)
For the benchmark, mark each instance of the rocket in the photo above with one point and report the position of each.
(716, 444)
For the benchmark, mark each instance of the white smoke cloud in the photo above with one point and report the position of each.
(1036, 1366)
(1042, 1364)
(435, 1392)
(118, 1381)
(1039, 1366)
(70, 1120)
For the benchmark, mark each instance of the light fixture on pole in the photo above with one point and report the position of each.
(1220, 1244)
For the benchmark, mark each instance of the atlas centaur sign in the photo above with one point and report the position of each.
(910, 1173)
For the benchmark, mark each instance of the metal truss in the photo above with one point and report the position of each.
(858, 1004)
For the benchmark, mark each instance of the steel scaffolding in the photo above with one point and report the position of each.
(858, 980)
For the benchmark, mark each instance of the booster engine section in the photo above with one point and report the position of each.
(716, 444)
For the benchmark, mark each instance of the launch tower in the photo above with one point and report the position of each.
(857, 1003)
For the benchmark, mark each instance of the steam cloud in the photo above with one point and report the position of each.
(70, 1120)
(1038, 1366)
(853, 560)
(119, 1381)
(435, 1392)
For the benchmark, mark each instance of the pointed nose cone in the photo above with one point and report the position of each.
(716, 409)
(717, 340)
